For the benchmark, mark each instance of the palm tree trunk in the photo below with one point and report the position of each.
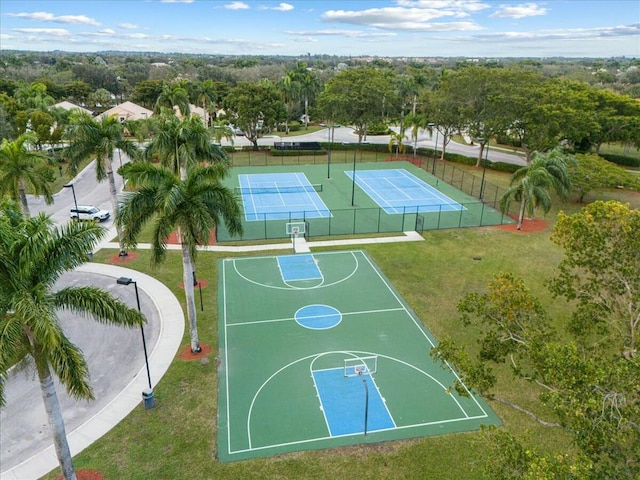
(56, 422)
(23, 198)
(188, 280)
(523, 203)
(306, 112)
(114, 202)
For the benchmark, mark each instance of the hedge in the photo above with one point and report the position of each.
(621, 159)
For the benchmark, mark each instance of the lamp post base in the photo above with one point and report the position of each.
(147, 398)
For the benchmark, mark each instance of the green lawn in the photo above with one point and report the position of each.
(177, 439)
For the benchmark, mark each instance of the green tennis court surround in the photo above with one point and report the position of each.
(330, 213)
(326, 356)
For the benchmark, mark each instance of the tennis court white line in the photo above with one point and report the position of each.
(436, 193)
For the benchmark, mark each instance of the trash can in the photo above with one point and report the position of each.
(147, 398)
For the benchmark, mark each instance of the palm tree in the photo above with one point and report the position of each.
(221, 129)
(174, 95)
(290, 89)
(191, 197)
(193, 205)
(33, 255)
(99, 138)
(21, 167)
(397, 139)
(530, 185)
(206, 96)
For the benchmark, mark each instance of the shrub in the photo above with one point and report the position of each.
(621, 159)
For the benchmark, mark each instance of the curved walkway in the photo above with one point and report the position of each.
(160, 357)
(172, 326)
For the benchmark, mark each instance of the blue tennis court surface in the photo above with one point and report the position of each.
(343, 402)
(277, 196)
(298, 267)
(398, 191)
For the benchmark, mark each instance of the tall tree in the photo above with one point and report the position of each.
(174, 95)
(205, 96)
(353, 97)
(601, 269)
(256, 108)
(22, 167)
(180, 194)
(100, 139)
(33, 256)
(194, 206)
(589, 382)
(531, 184)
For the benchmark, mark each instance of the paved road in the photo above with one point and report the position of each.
(425, 140)
(114, 355)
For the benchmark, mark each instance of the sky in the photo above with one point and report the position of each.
(385, 28)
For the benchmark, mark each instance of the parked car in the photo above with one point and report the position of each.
(89, 212)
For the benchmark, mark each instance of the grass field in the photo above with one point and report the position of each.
(177, 439)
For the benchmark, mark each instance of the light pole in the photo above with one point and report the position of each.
(353, 185)
(147, 394)
(73, 190)
(329, 153)
(435, 148)
(484, 165)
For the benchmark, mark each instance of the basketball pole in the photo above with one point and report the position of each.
(366, 401)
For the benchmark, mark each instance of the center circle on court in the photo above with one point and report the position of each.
(318, 317)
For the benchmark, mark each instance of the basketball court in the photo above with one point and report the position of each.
(318, 350)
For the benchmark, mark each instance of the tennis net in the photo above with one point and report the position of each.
(279, 189)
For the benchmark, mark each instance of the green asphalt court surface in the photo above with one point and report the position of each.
(317, 349)
(365, 216)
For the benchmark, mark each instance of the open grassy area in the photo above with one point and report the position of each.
(177, 439)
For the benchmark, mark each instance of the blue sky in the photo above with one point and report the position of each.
(423, 28)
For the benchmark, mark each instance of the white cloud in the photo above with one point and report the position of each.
(128, 26)
(50, 17)
(565, 35)
(519, 11)
(399, 18)
(5, 36)
(56, 32)
(466, 5)
(283, 7)
(340, 33)
(236, 6)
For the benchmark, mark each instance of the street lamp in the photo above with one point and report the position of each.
(353, 185)
(329, 153)
(435, 148)
(73, 190)
(481, 141)
(147, 393)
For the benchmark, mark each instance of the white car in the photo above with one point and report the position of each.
(89, 212)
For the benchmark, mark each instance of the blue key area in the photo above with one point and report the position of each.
(298, 267)
(343, 398)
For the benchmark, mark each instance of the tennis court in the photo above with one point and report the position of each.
(398, 191)
(274, 196)
(319, 350)
(332, 204)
